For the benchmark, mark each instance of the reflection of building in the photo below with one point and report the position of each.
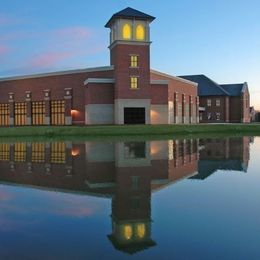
(230, 153)
(127, 172)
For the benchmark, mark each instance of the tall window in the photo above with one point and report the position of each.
(4, 152)
(38, 113)
(58, 152)
(20, 152)
(20, 111)
(218, 116)
(134, 82)
(58, 112)
(38, 152)
(139, 34)
(218, 102)
(4, 114)
(127, 32)
(209, 102)
(209, 116)
(134, 61)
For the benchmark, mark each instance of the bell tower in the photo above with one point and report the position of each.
(130, 56)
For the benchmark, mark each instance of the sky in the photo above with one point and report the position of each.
(218, 38)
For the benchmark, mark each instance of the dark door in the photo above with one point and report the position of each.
(134, 115)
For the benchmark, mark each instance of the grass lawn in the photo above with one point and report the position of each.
(129, 131)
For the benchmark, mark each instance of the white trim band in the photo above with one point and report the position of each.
(57, 73)
(175, 78)
(99, 80)
(160, 82)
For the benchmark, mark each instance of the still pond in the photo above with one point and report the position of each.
(172, 199)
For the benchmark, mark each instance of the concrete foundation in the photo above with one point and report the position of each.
(99, 114)
(120, 104)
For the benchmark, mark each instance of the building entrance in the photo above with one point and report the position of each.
(134, 115)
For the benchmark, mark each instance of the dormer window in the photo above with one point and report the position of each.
(127, 32)
(140, 32)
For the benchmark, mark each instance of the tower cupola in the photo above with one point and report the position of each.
(129, 25)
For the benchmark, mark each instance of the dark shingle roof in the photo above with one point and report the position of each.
(233, 89)
(208, 167)
(206, 86)
(130, 13)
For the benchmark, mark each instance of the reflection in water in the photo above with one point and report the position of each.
(126, 172)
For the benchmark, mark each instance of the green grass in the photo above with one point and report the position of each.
(126, 132)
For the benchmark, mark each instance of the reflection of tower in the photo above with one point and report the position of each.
(130, 56)
(131, 204)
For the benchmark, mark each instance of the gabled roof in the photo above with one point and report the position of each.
(206, 86)
(130, 13)
(234, 89)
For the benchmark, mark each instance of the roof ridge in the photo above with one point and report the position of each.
(230, 84)
(218, 85)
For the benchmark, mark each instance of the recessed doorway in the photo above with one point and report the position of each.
(134, 115)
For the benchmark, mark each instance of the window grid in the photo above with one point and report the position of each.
(20, 110)
(134, 61)
(38, 113)
(58, 112)
(209, 102)
(58, 153)
(134, 82)
(20, 152)
(4, 152)
(4, 114)
(38, 152)
(218, 102)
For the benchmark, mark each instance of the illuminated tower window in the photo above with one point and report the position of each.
(134, 61)
(141, 230)
(140, 32)
(127, 32)
(134, 82)
(128, 232)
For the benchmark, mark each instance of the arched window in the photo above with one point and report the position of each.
(127, 32)
(128, 232)
(140, 32)
(141, 230)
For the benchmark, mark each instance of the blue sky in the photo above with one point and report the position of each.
(220, 39)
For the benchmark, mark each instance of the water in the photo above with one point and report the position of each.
(174, 199)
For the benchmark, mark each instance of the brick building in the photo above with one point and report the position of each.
(227, 103)
(126, 92)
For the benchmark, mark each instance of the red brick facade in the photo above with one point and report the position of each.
(98, 95)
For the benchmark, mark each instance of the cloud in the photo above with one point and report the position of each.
(4, 20)
(49, 59)
(49, 50)
(4, 50)
(73, 33)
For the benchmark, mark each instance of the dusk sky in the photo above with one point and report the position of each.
(220, 39)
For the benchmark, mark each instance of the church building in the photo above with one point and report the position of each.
(125, 92)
